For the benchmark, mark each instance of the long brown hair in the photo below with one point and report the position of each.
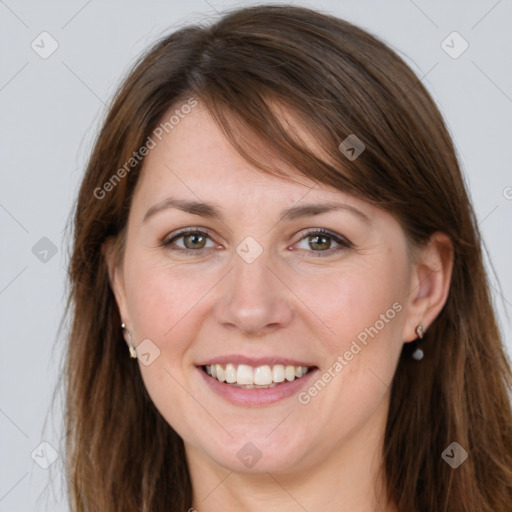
(336, 80)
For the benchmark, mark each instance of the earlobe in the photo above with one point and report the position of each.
(430, 284)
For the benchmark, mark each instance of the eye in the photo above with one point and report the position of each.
(193, 239)
(321, 242)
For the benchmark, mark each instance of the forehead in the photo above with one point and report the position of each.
(195, 160)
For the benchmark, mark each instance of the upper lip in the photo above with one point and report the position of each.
(258, 361)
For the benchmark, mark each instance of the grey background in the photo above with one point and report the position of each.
(50, 110)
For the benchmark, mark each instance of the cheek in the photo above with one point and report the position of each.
(362, 305)
(163, 301)
(359, 302)
(161, 298)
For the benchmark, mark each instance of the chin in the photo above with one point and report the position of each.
(253, 450)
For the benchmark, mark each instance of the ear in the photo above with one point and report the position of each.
(115, 273)
(430, 283)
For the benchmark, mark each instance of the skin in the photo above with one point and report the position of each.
(303, 304)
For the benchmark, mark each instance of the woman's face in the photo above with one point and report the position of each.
(256, 291)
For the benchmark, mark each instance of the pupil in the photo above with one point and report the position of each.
(194, 237)
(321, 237)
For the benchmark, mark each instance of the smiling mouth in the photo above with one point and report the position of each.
(248, 377)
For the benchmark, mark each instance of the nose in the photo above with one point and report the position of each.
(254, 299)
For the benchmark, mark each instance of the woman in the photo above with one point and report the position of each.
(278, 294)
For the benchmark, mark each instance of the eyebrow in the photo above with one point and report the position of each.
(213, 211)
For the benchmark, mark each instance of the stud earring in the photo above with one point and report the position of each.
(420, 332)
(127, 337)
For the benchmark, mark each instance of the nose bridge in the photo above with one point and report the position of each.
(254, 299)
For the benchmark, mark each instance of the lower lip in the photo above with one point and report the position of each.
(257, 396)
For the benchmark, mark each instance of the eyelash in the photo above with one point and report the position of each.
(342, 242)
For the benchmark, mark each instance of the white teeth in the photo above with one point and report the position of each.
(262, 376)
(289, 372)
(278, 373)
(221, 373)
(244, 374)
(230, 373)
